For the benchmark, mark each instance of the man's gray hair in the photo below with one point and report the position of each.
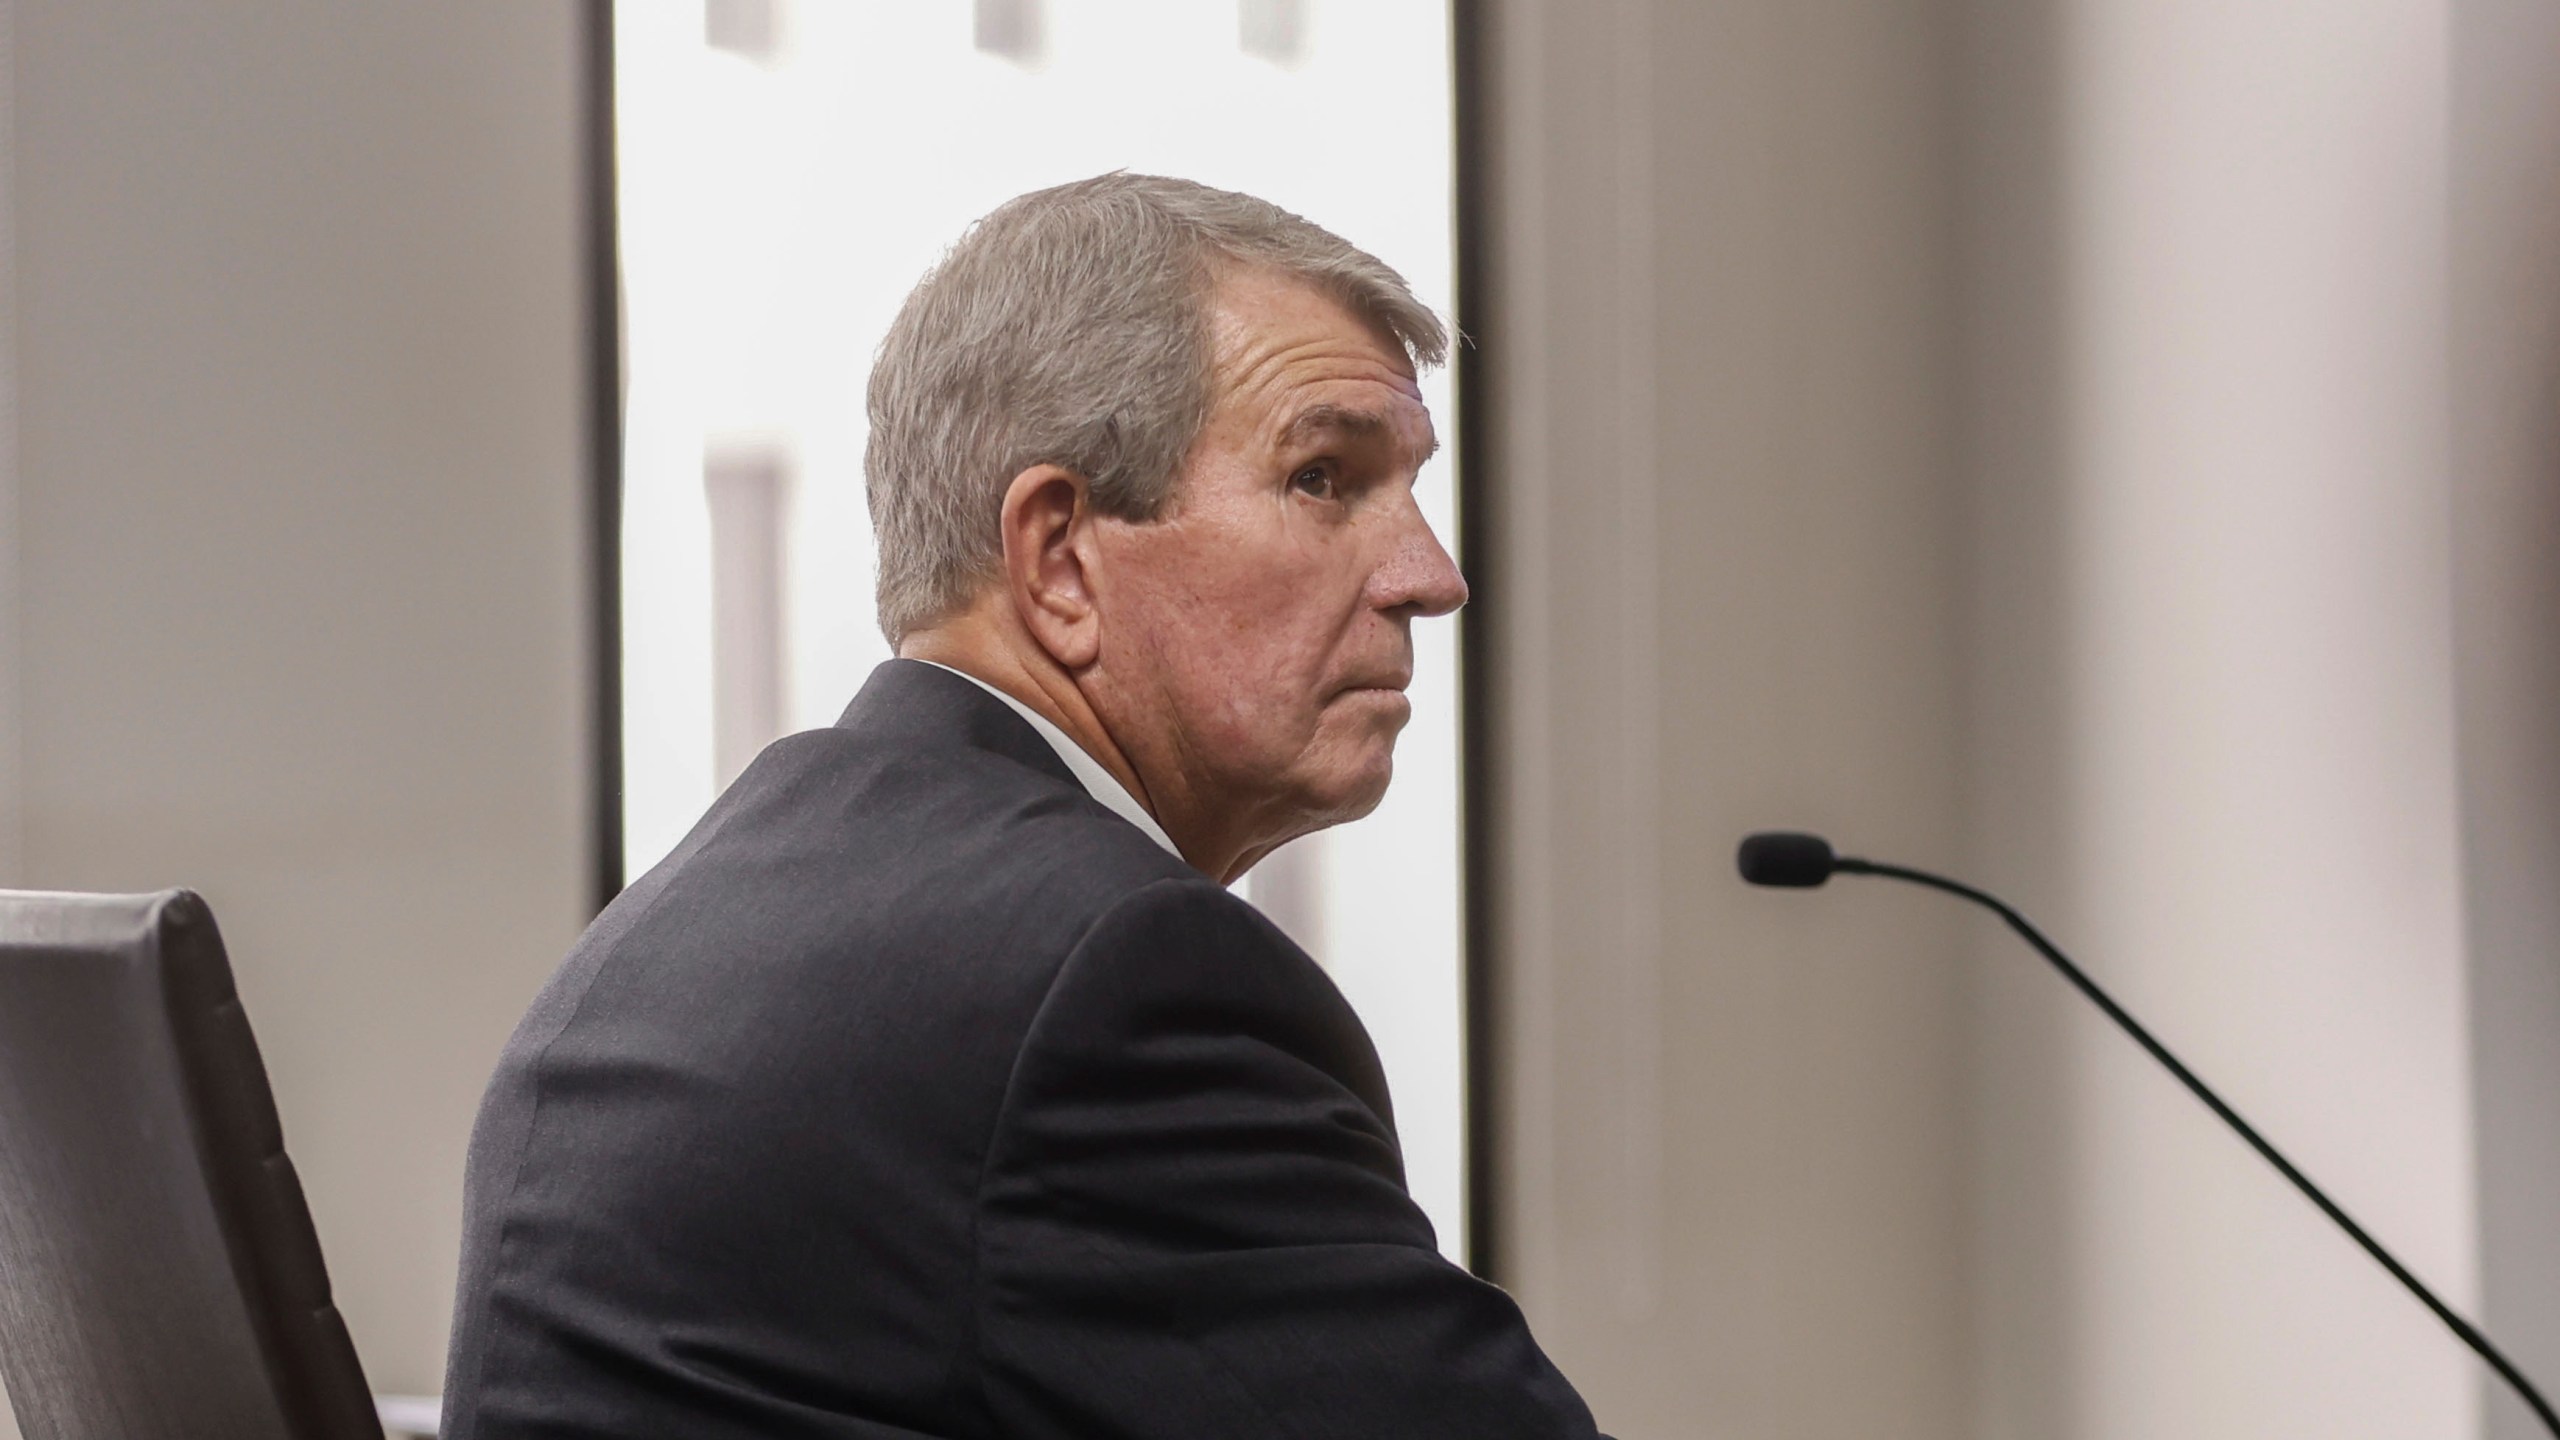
(1069, 327)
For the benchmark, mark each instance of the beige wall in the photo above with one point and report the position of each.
(12, 831)
(2506, 455)
(1712, 333)
(2102, 446)
(2218, 627)
(299, 340)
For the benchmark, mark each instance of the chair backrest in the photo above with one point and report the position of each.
(159, 1276)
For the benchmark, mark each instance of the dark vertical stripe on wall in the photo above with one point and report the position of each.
(1475, 635)
(603, 261)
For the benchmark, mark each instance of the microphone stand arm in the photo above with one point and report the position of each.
(2469, 1334)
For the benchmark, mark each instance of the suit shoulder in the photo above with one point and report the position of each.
(1185, 956)
(1191, 917)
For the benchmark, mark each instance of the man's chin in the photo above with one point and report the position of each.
(1356, 791)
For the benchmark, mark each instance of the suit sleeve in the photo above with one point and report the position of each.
(1194, 1222)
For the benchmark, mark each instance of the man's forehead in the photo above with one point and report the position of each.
(1294, 361)
(1404, 419)
(1264, 325)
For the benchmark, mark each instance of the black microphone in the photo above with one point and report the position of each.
(1793, 860)
(1786, 859)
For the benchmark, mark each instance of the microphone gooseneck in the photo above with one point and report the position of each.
(1785, 859)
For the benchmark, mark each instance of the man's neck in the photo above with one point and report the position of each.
(989, 644)
(974, 645)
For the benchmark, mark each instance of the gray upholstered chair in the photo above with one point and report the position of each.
(159, 1277)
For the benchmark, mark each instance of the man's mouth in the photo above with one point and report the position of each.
(1395, 680)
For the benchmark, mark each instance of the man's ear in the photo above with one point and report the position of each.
(1047, 526)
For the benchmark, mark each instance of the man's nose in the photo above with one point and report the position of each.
(1418, 576)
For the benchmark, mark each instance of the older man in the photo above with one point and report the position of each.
(935, 1085)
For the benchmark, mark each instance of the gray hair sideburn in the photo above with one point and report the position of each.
(1069, 327)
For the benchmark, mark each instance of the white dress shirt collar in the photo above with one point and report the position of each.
(1098, 782)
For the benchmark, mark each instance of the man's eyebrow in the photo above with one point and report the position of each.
(1346, 420)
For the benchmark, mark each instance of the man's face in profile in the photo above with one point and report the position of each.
(1265, 617)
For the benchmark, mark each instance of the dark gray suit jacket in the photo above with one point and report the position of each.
(916, 1094)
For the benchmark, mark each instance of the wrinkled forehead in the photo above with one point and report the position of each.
(1290, 362)
(1401, 426)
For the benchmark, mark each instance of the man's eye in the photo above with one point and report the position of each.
(1315, 480)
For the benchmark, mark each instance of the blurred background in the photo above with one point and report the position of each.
(2106, 448)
